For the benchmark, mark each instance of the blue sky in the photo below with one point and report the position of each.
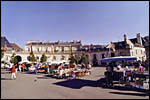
(92, 22)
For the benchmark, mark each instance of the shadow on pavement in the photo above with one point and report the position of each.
(6, 79)
(79, 83)
(133, 94)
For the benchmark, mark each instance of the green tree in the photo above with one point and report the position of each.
(2, 53)
(84, 58)
(74, 59)
(77, 59)
(43, 58)
(32, 57)
(14, 59)
(95, 61)
(71, 59)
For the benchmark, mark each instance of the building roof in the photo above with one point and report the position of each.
(94, 48)
(146, 40)
(118, 45)
(3, 40)
(74, 43)
(15, 46)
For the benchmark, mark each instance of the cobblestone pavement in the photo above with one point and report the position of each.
(32, 86)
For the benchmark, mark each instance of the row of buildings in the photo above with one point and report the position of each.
(60, 51)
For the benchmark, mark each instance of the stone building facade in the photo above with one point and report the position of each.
(127, 47)
(61, 50)
(55, 51)
(146, 45)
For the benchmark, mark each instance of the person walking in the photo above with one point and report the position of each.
(22, 67)
(36, 68)
(109, 76)
(60, 69)
(13, 75)
(17, 68)
(89, 67)
(47, 69)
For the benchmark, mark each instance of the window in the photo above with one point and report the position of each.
(46, 49)
(7, 58)
(63, 58)
(132, 53)
(54, 57)
(38, 49)
(141, 51)
(136, 51)
(103, 56)
(55, 49)
(112, 54)
(62, 49)
(37, 57)
(28, 49)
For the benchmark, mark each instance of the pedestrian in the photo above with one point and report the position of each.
(109, 75)
(72, 75)
(36, 68)
(141, 68)
(60, 70)
(16, 68)
(89, 67)
(20, 67)
(47, 69)
(23, 67)
(13, 75)
(7, 66)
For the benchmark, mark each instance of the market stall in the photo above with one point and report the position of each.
(132, 77)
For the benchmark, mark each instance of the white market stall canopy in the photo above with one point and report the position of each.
(24, 60)
(58, 62)
(124, 58)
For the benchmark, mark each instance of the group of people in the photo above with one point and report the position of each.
(71, 70)
(131, 68)
(125, 69)
(61, 69)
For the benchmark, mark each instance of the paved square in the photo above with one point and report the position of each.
(31, 86)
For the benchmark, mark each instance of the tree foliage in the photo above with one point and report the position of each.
(74, 59)
(84, 58)
(32, 58)
(13, 59)
(43, 58)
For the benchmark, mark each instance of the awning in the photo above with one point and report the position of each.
(125, 58)
(24, 60)
(58, 62)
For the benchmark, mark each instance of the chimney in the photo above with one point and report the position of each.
(74, 41)
(125, 37)
(80, 41)
(139, 39)
(58, 42)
